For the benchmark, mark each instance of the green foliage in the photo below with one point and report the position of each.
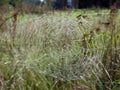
(2, 2)
(16, 3)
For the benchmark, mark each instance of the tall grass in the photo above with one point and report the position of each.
(57, 52)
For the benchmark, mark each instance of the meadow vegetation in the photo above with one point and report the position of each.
(70, 50)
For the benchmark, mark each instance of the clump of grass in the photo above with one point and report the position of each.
(53, 52)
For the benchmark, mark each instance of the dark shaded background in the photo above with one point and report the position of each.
(86, 3)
